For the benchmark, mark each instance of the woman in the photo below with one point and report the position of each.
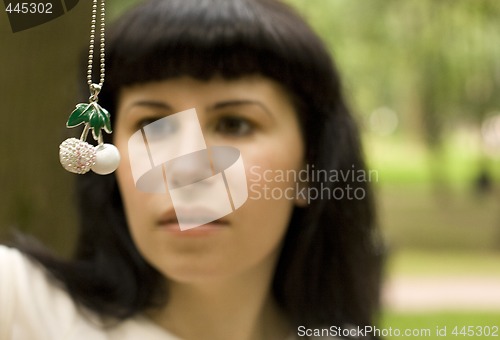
(278, 267)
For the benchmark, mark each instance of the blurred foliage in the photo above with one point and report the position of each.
(436, 63)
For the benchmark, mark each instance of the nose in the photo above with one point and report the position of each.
(193, 163)
(189, 169)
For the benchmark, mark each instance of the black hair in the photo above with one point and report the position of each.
(328, 272)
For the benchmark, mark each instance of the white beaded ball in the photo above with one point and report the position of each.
(107, 159)
(76, 155)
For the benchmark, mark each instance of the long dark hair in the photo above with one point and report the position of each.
(328, 272)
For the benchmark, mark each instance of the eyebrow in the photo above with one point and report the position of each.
(151, 103)
(229, 103)
(216, 106)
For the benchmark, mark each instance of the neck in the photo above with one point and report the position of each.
(239, 307)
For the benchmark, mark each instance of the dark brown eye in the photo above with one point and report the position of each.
(145, 122)
(158, 128)
(234, 126)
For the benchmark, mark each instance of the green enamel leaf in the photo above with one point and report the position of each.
(107, 125)
(80, 115)
(97, 123)
(92, 114)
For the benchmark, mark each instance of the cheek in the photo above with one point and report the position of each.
(270, 168)
(271, 197)
(263, 219)
(274, 193)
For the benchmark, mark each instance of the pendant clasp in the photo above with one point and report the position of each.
(94, 92)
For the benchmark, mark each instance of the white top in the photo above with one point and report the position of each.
(34, 306)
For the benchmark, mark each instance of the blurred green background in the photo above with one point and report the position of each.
(423, 79)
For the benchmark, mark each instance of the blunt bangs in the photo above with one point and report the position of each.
(202, 39)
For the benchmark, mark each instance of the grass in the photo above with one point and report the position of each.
(446, 321)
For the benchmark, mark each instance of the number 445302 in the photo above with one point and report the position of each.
(475, 331)
(29, 8)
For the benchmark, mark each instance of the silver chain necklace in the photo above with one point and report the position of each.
(76, 155)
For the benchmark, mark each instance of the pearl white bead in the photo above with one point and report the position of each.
(107, 159)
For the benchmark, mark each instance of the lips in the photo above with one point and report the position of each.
(193, 216)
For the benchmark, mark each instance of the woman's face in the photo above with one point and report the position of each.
(251, 114)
